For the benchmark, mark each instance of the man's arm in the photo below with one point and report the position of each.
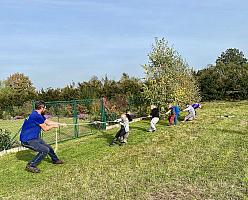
(49, 123)
(46, 127)
(186, 109)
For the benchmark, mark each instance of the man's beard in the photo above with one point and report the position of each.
(43, 112)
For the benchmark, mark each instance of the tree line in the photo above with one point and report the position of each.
(168, 78)
(18, 90)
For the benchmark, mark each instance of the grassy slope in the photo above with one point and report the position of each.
(206, 159)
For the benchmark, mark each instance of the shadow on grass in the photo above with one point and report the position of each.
(28, 155)
(232, 131)
(108, 137)
(139, 128)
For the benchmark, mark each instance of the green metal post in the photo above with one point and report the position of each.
(75, 119)
(103, 114)
(58, 117)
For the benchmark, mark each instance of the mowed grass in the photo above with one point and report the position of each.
(204, 159)
(13, 126)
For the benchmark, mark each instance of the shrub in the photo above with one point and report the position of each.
(4, 139)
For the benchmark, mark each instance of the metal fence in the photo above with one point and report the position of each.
(80, 115)
(85, 116)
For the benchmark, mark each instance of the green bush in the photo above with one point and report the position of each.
(6, 115)
(4, 139)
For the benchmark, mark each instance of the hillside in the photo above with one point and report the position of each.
(204, 159)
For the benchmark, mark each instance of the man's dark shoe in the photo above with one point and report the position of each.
(57, 162)
(32, 169)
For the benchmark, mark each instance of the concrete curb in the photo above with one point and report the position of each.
(13, 150)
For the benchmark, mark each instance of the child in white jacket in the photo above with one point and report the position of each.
(122, 134)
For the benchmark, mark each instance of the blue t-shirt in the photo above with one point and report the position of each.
(30, 128)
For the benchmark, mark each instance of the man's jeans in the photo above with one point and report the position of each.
(40, 146)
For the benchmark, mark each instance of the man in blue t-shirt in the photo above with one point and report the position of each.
(30, 136)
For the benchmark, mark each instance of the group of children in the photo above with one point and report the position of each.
(173, 116)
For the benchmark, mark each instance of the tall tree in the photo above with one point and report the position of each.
(227, 79)
(129, 86)
(168, 77)
(110, 88)
(23, 89)
(6, 96)
(69, 92)
(91, 89)
(232, 55)
(50, 94)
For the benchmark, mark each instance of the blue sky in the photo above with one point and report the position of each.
(55, 42)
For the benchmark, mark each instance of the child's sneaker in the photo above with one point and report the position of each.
(112, 144)
(122, 143)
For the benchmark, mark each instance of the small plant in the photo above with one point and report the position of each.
(4, 139)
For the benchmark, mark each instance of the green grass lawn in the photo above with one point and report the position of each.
(13, 126)
(204, 159)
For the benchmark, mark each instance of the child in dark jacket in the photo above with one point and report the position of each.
(154, 118)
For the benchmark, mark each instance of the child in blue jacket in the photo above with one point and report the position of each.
(177, 111)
